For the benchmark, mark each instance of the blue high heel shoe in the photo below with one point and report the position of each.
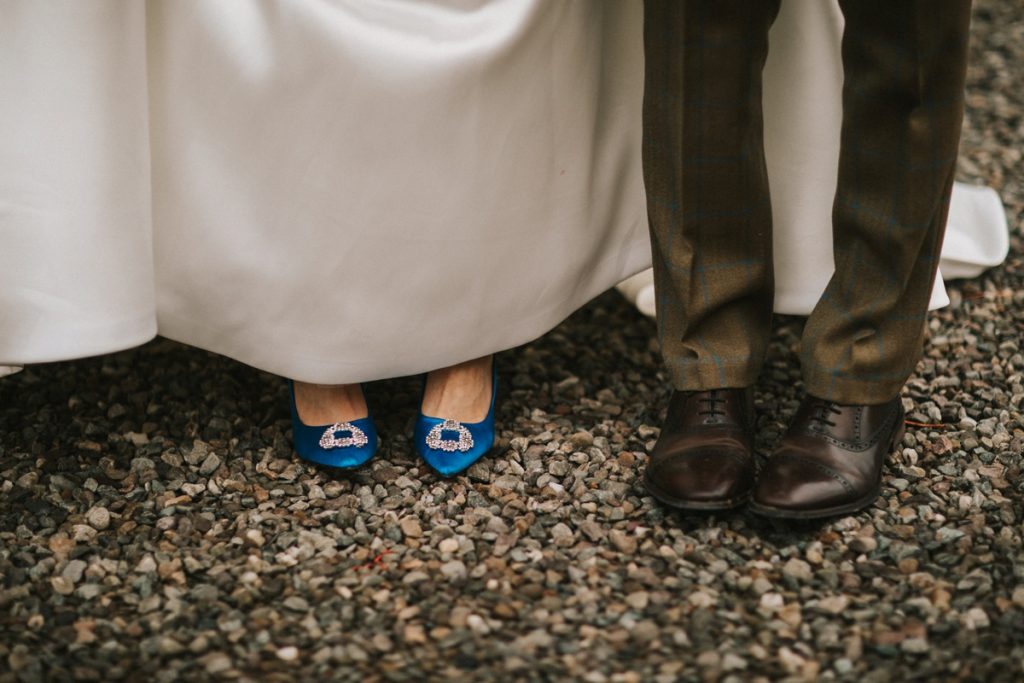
(450, 446)
(343, 444)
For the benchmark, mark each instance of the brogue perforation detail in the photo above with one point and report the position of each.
(886, 425)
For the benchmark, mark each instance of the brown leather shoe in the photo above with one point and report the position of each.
(830, 460)
(704, 457)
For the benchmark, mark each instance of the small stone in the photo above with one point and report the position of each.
(863, 544)
(709, 659)
(216, 662)
(89, 591)
(623, 542)
(561, 535)
(835, 604)
(791, 614)
(85, 631)
(915, 645)
(732, 662)
(843, 666)
(193, 490)
(62, 585)
(908, 565)
(454, 570)
(253, 538)
(170, 646)
(410, 527)
(448, 545)
(645, 631)
(415, 577)
(61, 545)
(638, 600)
(797, 569)
(790, 661)
(98, 518)
(210, 465)
(581, 440)
(296, 604)
(558, 468)
(772, 601)
(947, 534)
(975, 618)
(137, 438)
(140, 465)
(701, 598)
(28, 480)
(477, 624)
(592, 530)
(288, 654)
(150, 604)
(199, 644)
(73, 571)
(414, 634)
(404, 482)
(146, 564)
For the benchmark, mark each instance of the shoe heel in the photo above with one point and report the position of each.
(897, 438)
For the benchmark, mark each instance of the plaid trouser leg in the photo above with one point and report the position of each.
(904, 63)
(707, 187)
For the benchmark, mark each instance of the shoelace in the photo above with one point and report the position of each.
(825, 410)
(712, 402)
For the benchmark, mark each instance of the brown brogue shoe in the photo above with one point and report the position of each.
(704, 458)
(830, 460)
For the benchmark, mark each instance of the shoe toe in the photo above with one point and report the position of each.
(450, 463)
(792, 483)
(347, 459)
(705, 477)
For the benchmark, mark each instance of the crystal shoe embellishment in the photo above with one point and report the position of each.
(462, 444)
(356, 436)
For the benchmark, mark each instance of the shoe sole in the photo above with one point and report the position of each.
(837, 510)
(695, 505)
(820, 513)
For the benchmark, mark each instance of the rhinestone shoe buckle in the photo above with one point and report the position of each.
(356, 436)
(462, 444)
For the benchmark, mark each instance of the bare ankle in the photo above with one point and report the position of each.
(324, 403)
(461, 392)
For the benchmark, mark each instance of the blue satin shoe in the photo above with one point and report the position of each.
(343, 444)
(450, 446)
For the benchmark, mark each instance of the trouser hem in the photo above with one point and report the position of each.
(850, 391)
(707, 377)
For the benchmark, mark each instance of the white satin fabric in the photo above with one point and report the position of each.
(75, 212)
(346, 190)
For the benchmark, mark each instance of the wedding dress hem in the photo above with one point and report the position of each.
(286, 362)
(59, 342)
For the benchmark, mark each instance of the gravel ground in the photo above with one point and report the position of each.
(153, 521)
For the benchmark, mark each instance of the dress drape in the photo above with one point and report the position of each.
(347, 190)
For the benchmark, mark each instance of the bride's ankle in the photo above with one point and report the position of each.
(328, 403)
(461, 391)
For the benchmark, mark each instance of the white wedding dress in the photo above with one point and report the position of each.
(346, 190)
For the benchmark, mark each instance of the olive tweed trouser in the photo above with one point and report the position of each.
(904, 64)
